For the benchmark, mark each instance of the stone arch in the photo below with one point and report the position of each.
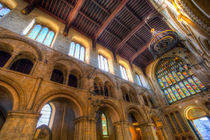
(57, 59)
(138, 114)
(77, 76)
(6, 47)
(75, 101)
(112, 109)
(107, 77)
(25, 41)
(17, 93)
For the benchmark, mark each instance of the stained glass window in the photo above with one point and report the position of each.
(104, 125)
(3, 10)
(45, 115)
(176, 79)
(77, 51)
(41, 34)
(123, 72)
(103, 63)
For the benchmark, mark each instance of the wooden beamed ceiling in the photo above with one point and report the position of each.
(123, 26)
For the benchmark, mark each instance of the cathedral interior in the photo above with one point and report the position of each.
(104, 70)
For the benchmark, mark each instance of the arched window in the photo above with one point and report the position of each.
(176, 79)
(3, 10)
(57, 76)
(200, 123)
(73, 81)
(138, 80)
(107, 89)
(98, 86)
(103, 63)
(41, 34)
(45, 115)
(123, 72)
(4, 57)
(22, 65)
(104, 125)
(77, 51)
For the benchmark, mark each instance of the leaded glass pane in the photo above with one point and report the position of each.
(172, 94)
(1, 5)
(82, 54)
(198, 82)
(42, 35)
(175, 75)
(72, 49)
(77, 52)
(104, 125)
(192, 83)
(189, 87)
(49, 38)
(45, 115)
(4, 11)
(35, 31)
(138, 80)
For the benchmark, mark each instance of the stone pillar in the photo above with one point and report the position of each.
(19, 125)
(85, 129)
(148, 131)
(122, 130)
(8, 63)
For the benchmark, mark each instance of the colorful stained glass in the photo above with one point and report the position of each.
(168, 96)
(180, 75)
(185, 73)
(172, 78)
(172, 95)
(168, 80)
(164, 82)
(198, 82)
(184, 89)
(176, 93)
(189, 87)
(104, 125)
(192, 83)
(175, 76)
(180, 91)
(161, 83)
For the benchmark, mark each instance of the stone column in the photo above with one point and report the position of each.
(148, 131)
(85, 129)
(19, 125)
(122, 130)
(8, 63)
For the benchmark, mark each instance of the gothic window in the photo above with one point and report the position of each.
(4, 57)
(103, 63)
(123, 72)
(104, 125)
(77, 51)
(176, 79)
(98, 87)
(22, 65)
(41, 34)
(138, 80)
(3, 10)
(45, 115)
(57, 76)
(73, 81)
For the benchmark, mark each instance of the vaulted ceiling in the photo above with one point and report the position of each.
(123, 26)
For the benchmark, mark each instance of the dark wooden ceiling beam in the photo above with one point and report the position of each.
(105, 10)
(110, 18)
(30, 7)
(72, 15)
(140, 25)
(139, 52)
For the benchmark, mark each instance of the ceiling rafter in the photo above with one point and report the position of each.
(140, 25)
(110, 18)
(141, 50)
(105, 10)
(72, 15)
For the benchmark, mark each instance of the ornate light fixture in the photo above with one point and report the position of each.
(162, 42)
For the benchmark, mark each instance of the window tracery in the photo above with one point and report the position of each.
(77, 51)
(4, 10)
(41, 34)
(176, 79)
(45, 115)
(123, 72)
(103, 63)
